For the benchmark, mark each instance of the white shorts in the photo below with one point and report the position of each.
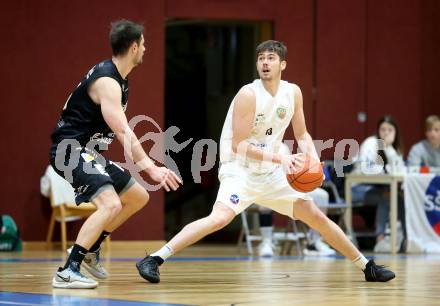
(239, 189)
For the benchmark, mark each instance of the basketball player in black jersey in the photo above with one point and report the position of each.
(92, 117)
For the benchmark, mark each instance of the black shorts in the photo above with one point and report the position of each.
(90, 177)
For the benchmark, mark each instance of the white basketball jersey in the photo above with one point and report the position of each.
(272, 116)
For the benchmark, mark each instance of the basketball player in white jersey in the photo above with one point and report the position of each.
(252, 169)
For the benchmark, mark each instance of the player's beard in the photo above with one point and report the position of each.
(273, 74)
(265, 77)
(270, 76)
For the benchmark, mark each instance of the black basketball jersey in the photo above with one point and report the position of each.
(81, 118)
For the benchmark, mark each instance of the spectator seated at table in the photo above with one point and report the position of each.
(380, 153)
(427, 151)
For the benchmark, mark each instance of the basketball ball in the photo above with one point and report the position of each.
(309, 177)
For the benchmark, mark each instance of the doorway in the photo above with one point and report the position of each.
(207, 62)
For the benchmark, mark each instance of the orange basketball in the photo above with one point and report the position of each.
(309, 177)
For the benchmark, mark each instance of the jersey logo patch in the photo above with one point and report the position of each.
(81, 189)
(234, 199)
(281, 112)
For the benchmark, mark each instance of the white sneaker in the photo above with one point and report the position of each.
(71, 278)
(265, 249)
(92, 264)
(319, 248)
(323, 248)
(383, 246)
(310, 250)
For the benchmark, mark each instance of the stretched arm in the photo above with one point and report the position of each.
(107, 92)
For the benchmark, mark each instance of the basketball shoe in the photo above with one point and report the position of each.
(319, 248)
(71, 278)
(376, 273)
(149, 269)
(93, 265)
(265, 248)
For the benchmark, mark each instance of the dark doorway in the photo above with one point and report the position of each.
(207, 62)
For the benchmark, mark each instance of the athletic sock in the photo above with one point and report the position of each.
(265, 219)
(266, 233)
(98, 242)
(165, 252)
(266, 227)
(360, 262)
(77, 255)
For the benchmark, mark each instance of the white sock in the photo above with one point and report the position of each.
(266, 233)
(165, 252)
(361, 262)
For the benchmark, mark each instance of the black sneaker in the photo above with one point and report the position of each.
(376, 273)
(149, 269)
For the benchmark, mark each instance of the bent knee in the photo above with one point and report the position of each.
(115, 206)
(308, 212)
(219, 221)
(141, 199)
(111, 207)
(144, 197)
(319, 218)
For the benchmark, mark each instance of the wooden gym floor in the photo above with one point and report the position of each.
(217, 275)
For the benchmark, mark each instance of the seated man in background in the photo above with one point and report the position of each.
(427, 151)
(315, 245)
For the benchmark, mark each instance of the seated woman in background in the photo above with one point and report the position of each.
(380, 153)
(427, 152)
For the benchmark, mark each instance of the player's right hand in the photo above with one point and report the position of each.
(293, 162)
(167, 178)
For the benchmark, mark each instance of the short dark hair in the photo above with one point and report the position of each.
(123, 33)
(272, 46)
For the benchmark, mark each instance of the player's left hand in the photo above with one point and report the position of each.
(293, 162)
(167, 178)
